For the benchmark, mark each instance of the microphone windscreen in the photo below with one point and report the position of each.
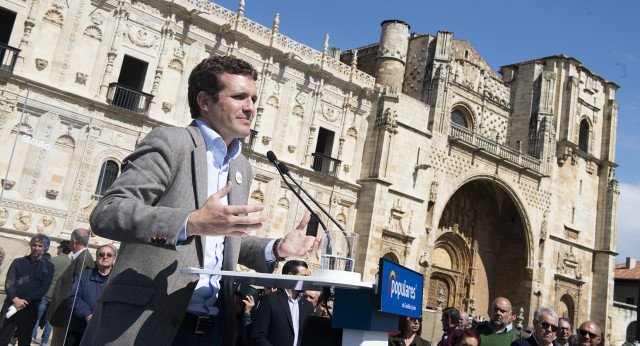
(272, 157)
(283, 168)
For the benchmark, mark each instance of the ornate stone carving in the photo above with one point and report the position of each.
(568, 264)
(51, 194)
(46, 225)
(22, 220)
(4, 215)
(93, 31)
(266, 140)
(166, 107)
(97, 18)
(387, 119)
(41, 64)
(291, 148)
(81, 78)
(54, 17)
(141, 37)
(330, 113)
(8, 184)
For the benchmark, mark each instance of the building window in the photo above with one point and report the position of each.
(457, 117)
(322, 160)
(583, 138)
(8, 54)
(127, 92)
(108, 174)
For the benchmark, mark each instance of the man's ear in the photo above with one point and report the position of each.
(204, 101)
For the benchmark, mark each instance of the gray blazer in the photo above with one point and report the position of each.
(162, 181)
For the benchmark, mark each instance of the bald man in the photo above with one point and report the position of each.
(498, 331)
(589, 334)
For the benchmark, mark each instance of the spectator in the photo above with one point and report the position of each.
(276, 325)
(28, 279)
(573, 339)
(564, 331)
(469, 337)
(325, 309)
(451, 326)
(498, 331)
(59, 315)
(312, 297)
(84, 294)
(465, 320)
(545, 325)
(60, 264)
(410, 330)
(589, 334)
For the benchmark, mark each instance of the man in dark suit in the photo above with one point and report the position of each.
(59, 313)
(281, 314)
(181, 202)
(545, 326)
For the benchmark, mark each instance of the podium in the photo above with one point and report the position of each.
(365, 312)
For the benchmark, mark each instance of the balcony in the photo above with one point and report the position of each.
(128, 98)
(8, 57)
(325, 164)
(249, 141)
(467, 136)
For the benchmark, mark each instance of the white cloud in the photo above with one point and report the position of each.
(628, 222)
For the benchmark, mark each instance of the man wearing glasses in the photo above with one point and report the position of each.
(545, 325)
(564, 331)
(589, 334)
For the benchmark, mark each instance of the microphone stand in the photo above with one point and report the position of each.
(283, 168)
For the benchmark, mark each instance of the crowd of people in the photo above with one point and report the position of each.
(58, 292)
(548, 329)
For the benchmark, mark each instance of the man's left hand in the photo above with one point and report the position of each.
(297, 244)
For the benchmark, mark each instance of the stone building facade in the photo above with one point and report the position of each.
(489, 184)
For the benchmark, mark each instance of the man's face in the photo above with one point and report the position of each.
(106, 257)
(37, 249)
(312, 296)
(564, 330)
(545, 328)
(500, 314)
(231, 115)
(588, 334)
(446, 322)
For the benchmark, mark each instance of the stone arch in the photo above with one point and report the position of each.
(631, 331)
(585, 134)
(451, 258)
(437, 282)
(392, 256)
(566, 308)
(484, 215)
(462, 114)
(66, 140)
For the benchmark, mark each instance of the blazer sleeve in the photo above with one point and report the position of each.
(129, 210)
(261, 322)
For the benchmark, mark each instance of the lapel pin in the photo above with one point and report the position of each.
(238, 178)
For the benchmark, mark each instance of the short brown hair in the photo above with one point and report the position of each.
(206, 77)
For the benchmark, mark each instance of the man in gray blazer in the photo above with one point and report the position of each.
(181, 202)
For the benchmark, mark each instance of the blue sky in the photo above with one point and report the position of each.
(601, 35)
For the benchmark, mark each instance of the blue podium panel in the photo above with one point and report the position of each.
(357, 309)
(399, 289)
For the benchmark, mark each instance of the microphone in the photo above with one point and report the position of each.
(274, 160)
(282, 168)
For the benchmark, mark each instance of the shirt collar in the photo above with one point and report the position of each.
(506, 329)
(213, 141)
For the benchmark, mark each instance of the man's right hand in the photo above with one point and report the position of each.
(217, 219)
(20, 303)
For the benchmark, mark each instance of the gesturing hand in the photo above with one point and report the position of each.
(297, 244)
(217, 219)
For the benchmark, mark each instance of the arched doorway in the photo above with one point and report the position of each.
(483, 232)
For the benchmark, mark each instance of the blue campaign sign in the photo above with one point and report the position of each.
(399, 289)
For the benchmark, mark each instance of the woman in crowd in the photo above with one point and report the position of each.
(410, 330)
(85, 292)
(468, 337)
